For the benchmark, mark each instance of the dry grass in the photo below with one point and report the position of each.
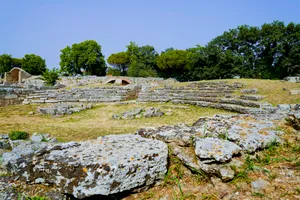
(275, 91)
(95, 122)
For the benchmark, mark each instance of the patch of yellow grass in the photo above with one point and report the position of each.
(95, 122)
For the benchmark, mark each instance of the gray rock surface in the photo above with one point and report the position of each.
(226, 173)
(104, 166)
(139, 112)
(64, 109)
(259, 184)
(214, 149)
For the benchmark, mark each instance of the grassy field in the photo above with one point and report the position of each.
(275, 91)
(95, 122)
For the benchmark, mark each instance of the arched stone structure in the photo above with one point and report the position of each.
(16, 75)
(118, 80)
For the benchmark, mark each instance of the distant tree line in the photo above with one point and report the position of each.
(271, 51)
(31, 63)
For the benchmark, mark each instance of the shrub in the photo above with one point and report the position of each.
(50, 76)
(18, 135)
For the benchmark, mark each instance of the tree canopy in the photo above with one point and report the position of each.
(33, 64)
(5, 63)
(120, 61)
(83, 57)
(142, 60)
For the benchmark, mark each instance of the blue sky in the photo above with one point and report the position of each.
(44, 27)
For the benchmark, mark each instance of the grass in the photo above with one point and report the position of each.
(94, 122)
(274, 91)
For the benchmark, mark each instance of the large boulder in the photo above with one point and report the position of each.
(107, 165)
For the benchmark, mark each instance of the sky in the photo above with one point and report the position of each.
(44, 27)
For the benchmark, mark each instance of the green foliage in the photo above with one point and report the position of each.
(83, 57)
(18, 135)
(113, 71)
(120, 61)
(50, 76)
(174, 63)
(5, 64)
(33, 64)
(142, 60)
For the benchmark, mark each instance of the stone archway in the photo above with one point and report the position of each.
(118, 80)
(15, 75)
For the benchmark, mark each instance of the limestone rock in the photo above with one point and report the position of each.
(226, 173)
(107, 165)
(259, 184)
(215, 149)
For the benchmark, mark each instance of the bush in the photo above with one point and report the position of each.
(18, 135)
(50, 76)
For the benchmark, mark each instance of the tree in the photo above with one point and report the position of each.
(120, 61)
(33, 64)
(17, 62)
(113, 71)
(5, 63)
(173, 63)
(50, 76)
(83, 57)
(142, 60)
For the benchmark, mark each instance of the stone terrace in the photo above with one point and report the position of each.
(208, 94)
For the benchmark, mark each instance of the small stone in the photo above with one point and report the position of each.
(31, 113)
(5, 136)
(259, 184)
(4, 144)
(37, 137)
(226, 174)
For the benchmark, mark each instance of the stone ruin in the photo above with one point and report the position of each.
(114, 164)
(15, 75)
(141, 112)
(64, 109)
(117, 164)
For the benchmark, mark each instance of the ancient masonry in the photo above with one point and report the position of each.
(115, 164)
(220, 95)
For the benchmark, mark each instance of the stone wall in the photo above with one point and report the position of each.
(98, 94)
(12, 95)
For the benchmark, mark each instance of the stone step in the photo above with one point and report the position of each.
(252, 97)
(230, 107)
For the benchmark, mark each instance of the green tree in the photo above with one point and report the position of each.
(17, 62)
(83, 57)
(33, 64)
(142, 60)
(120, 61)
(50, 76)
(113, 71)
(174, 63)
(5, 63)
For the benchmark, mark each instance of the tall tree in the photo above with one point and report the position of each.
(5, 63)
(120, 61)
(142, 60)
(173, 63)
(33, 64)
(83, 57)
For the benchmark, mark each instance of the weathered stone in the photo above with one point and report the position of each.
(214, 149)
(250, 91)
(226, 173)
(180, 134)
(4, 136)
(104, 166)
(4, 144)
(153, 112)
(284, 107)
(37, 137)
(259, 184)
